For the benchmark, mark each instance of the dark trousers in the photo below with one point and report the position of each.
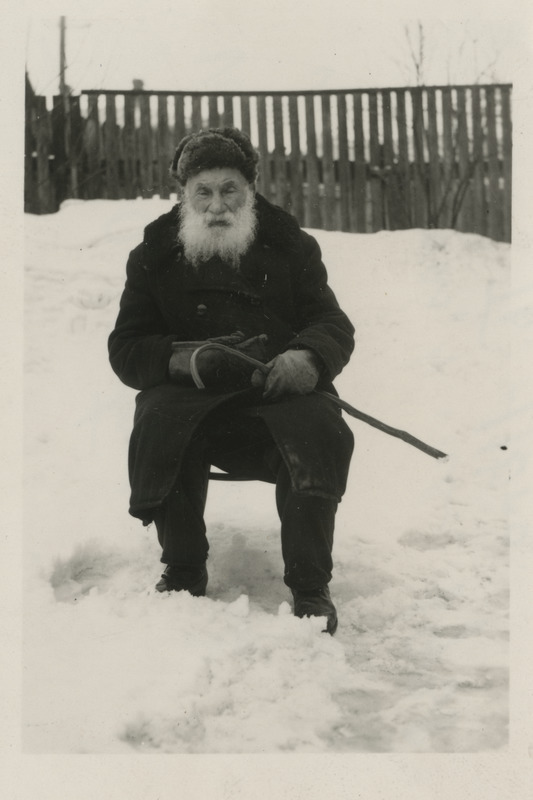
(307, 522)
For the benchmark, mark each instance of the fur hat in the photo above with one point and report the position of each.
(212, 149)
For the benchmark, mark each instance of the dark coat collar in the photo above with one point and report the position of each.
(276, 228)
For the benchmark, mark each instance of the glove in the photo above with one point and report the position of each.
(292, 372)
(217, 370)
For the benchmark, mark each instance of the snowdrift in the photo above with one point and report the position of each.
(420, 660)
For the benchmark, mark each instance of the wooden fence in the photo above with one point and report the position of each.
(352, 160)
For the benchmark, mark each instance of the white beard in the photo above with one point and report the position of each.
(202, 239)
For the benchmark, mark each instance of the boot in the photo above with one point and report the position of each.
(316, 603)
(177, 579)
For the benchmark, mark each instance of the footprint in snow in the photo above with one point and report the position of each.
(88, 570)
(422, 540)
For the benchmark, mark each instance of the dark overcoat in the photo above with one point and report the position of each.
(280, 289)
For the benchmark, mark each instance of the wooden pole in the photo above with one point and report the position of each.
(62, 55)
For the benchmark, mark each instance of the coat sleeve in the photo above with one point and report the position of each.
(140, 345)
(321, 324)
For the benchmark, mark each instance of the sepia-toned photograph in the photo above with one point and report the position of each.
(268, 393)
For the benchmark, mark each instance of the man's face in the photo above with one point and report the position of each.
(218, 216)
(217, 194)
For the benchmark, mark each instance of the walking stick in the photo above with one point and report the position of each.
(354, 412)
(382, 426)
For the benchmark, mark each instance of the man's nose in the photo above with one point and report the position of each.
(217, 205)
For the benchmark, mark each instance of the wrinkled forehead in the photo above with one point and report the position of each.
(217, 179)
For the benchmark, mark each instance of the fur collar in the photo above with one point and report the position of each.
(276, 228)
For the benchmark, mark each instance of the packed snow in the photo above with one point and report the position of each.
(420, 660)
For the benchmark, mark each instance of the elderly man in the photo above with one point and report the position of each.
(225, 265)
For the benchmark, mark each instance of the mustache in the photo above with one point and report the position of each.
(219, 221)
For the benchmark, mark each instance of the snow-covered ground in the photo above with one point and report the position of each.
(420, 660)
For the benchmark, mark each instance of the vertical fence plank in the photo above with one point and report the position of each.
(388, 187)
(147, 180)
(375, 163)
(75, 148)
(462, 199)
(507, 154)
(280, 168)
(420, 175)
(196, 112)
(448, 158)
(495, 229)
(434, 177)
(328, 167)
(46, 198)
(30, 188)
(213, 111)
(91, 145)
(360, 165)
(344, 166)
(163, 149)
(479, 219)
(403, 172)
(128, 140)
(59, 148)
(227, 114)
(111, 148)
(296, 165)
(179, 115)
(388, 151)
(313, 215)
(246, 122)
(264, 160)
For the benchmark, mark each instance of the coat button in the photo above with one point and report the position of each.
(201, 309)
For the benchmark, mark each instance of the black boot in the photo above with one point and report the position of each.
(316, 603)
(177, 579)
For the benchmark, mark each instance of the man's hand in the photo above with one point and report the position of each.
(292, 372)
